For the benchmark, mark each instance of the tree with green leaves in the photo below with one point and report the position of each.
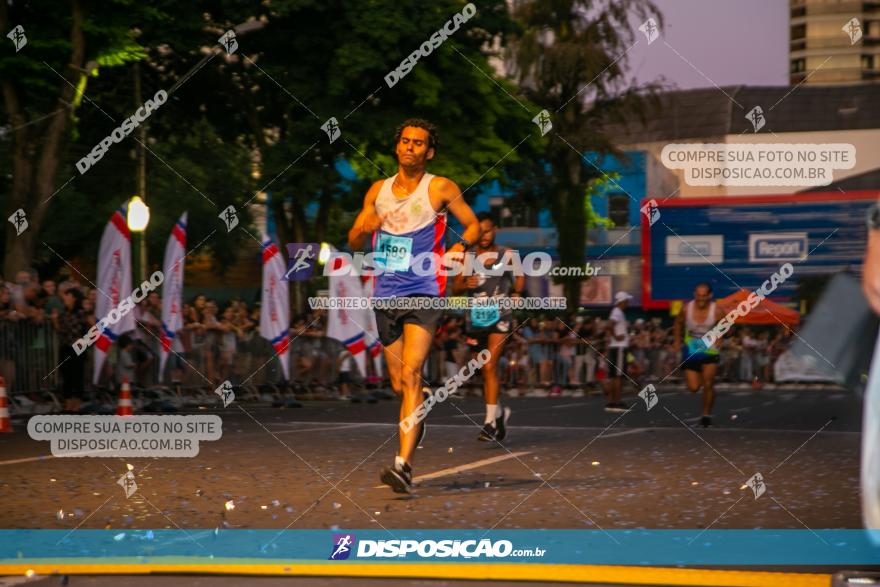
(569, 58)
(315, 60)
(338, 71)
(70, 86)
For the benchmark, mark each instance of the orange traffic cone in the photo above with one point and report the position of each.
(123, 408)
(5, 422)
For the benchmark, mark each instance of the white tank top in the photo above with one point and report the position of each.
(698, 329)
(410, 232)
(407, 214)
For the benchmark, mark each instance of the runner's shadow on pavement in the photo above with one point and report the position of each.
(479, 485)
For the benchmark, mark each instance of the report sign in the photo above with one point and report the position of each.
(788, 246)
(737, 242)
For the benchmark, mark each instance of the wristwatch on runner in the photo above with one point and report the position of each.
(873, 217)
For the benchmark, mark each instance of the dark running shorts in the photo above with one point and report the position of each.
(618, 359)
(696, 364)
(503, 326)
(390, 323)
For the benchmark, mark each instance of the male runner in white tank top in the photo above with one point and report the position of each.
(406, 214)
(700, 364)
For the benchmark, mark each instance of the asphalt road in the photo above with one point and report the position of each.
(317, 467)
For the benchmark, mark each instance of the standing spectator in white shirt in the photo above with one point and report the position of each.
(618, 352)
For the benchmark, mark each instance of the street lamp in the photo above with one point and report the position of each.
(324, 253)
(137, 220)
(138, 214)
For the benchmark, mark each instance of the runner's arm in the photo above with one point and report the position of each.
(676, 328)
(451, 198)
(519, 284)
(459, 283)
(367, 222)
(871, 270)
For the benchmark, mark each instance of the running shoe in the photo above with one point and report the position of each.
(706, 421)
(488, 433)
(398, 478)
(501, 424)
(616, 407)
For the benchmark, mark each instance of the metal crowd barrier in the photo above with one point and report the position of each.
(211, 359)
(29, 361)
(28, 356)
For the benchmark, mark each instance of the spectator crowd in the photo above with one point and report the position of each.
(39, 320)
(571, 351)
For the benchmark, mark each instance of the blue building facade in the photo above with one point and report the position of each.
(615, 251)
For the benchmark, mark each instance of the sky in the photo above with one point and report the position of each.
(729, 41)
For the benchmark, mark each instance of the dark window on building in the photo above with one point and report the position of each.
(618, 209)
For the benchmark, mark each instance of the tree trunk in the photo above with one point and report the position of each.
(290, 230)
(34, 181)
(571, 221)
(326, 199)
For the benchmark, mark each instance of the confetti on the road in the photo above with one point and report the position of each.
(264, 507)
(119, 537)
(60, 514)
(595, 463)
(230, 505)
(336, 505)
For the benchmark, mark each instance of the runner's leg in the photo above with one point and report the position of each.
(394, 360)
(709, 370)
(416, 344)
(693, 379)
(495, 347)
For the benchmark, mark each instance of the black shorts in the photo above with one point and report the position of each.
(697, 364)
(503, 326)
(345, 377)
(390, 323)
(618, 359)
